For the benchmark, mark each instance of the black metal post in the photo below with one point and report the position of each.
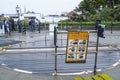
(45, 34)
(111, 26)
(55, 70)
(55, 44)
(96, 54)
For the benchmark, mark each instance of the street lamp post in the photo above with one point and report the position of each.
(17, 10)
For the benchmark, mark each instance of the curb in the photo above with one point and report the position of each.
(16, 70)
(114, 47)
(2, 50)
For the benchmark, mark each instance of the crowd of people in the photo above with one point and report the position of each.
(9, 25)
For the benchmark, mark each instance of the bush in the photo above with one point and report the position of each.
(112, 23)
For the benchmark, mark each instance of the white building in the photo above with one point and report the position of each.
(48, 18)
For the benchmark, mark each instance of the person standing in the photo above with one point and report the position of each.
(24, 27)
(19, 23)
(2, 26)
(38, 25)
(7, 24)
(1, 23)
(32, 24)
(12, 24)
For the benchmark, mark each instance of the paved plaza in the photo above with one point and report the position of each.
(112, 41)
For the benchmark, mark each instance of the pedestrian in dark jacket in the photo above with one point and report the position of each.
(12, 24)
(32, 24)
(19, 23)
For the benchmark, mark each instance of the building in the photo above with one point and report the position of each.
(49, 18)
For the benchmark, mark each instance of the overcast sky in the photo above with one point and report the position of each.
(40, 6)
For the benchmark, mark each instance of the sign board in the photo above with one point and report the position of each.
(77, 46)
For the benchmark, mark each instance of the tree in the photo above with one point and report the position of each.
(88, 7)
(116, 13)
(106, 14)
(112, 3)
(74, 17)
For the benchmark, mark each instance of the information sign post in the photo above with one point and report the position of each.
(77, 46)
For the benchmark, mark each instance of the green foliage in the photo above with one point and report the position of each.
(94, 17)
(89, 23)
(116, 24)
(68, 23)
(90, 10)
(89, 7)
(106, 14)
(74, 24)
(116, 12)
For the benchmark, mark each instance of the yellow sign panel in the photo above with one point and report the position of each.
(77, 45)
